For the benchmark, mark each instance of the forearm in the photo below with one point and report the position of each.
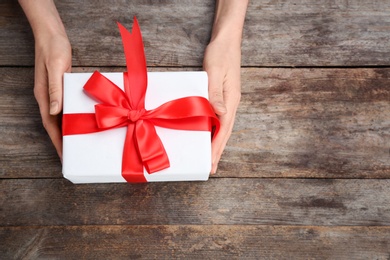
(229, 20)
(43, 17)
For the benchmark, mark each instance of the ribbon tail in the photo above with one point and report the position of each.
(136, 79)
(151, 149)
(132, 168)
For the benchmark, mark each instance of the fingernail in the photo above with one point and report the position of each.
(53, 107)
(214, 171)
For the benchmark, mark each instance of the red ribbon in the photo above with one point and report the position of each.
(143, 147)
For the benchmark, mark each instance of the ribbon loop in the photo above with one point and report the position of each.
(110, 116)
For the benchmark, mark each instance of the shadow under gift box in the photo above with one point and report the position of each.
(97, 157)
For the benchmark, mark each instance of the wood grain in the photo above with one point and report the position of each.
(232, 201)
(305, 174)
(322, 123)
(195, 242)
(277, 33)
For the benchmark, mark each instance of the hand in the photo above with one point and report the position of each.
(52, 58)
(222, 63)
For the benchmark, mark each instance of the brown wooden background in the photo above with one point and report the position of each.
(306, 173)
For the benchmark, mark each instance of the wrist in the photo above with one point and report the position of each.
(229, 21)
(226, 37)
(43, 18)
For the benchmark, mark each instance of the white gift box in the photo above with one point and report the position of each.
(97, 157)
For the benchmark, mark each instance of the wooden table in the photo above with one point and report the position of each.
(305, 175)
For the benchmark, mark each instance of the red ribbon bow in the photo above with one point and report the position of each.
(143, 147)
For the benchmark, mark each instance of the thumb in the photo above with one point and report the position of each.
(216, 94)
(55, 91)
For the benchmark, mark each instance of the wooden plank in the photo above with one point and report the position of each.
(231, 201)
(195, 242)
(322, 123)
(25, 148)
(277, 33)
(317, 123)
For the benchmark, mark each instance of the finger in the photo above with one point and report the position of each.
(52, 126)
(219, 143)
(216, 92)
(49, 122)
(232, 98)
(55, 78)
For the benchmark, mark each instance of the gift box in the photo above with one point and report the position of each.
(136, 126)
